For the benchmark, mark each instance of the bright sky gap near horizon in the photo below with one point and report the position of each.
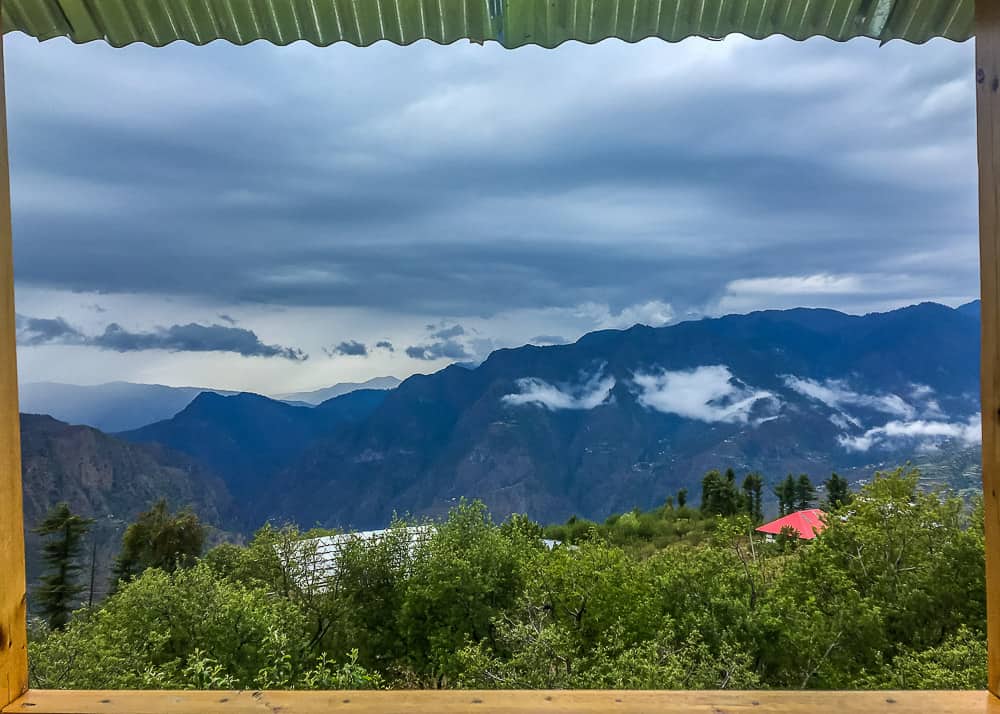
(204, 215)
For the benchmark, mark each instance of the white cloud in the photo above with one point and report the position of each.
(819, 284)
(654, 313)
(836, 394)
(902, 283)
(844, 421)
(592, 393)
(928, 435)
(709, 393)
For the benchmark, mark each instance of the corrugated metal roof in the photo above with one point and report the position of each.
(512, 23)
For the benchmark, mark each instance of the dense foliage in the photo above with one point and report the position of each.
(159, 539)
(890, 595)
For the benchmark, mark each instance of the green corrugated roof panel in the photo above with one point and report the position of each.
(512, 23)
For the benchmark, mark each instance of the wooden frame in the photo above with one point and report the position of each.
(13, 603)
(988, 134)
(14, 694)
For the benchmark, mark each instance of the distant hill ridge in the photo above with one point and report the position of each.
(319, 396)
(246, 438)
(123, 406)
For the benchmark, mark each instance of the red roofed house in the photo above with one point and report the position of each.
(807, 524)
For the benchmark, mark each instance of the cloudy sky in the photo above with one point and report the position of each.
(279, 219)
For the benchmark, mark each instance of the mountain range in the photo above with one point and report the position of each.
(249, 439)
(115, 406)
(318, 396)
(122, 406)
(618, 419)
(625, 418)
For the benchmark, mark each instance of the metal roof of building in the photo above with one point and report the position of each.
(806, 524)
(512, 23)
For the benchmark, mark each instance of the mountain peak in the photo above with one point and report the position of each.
(972, 309)
(318, 396)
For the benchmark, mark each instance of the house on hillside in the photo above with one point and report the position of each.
(805, 524)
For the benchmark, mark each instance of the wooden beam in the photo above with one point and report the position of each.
(13, 635)
(503, 702)
(988, 123)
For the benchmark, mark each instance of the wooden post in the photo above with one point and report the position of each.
(988, 123)
(13, 634)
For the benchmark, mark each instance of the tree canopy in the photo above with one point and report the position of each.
(891, 594)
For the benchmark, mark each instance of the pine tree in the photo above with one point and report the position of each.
(786, 495)
(805, 494)
(682, 498)
(732, 499)
(838, 492)
(711, 488)
(719, 494)
(753, 486)
(59, 590)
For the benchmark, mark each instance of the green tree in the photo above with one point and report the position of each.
(682, 498)
(59, 590)
(711, 487)
(753, 492)
(719, 494)
(838, 492)
(460, 580)
(189, 629)
(786, 492)
(732, 502)
(805, 494)
(899, 577)
(159, 539)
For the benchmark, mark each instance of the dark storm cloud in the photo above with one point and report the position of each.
(445, 349)
(385, 345)
(43, 330)
(348, 348)
(411, 196)
(192, 337)
(446, 333)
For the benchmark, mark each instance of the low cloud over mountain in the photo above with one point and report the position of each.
(591, 393)
(921, 434)
(836, 394)
(709, 393)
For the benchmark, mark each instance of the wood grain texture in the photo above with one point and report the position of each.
(506, 702)
(13, 637)
(988, 122)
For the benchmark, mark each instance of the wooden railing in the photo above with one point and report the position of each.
(504, 702)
